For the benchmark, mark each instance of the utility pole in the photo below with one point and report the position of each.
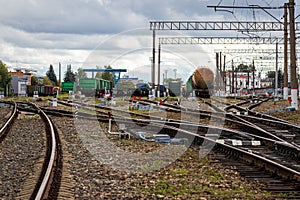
(285, 54)
(236, 79)
(294, 82)
(175, 70)
(166, 72)
(59, 66)
(253, 77)
(153, 64)
(248, 79)
(158, 72)
(276, 71)
(232, 90)
(224, 74)
(220, 73)
(217, 73)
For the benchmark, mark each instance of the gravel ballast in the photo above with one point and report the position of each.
(189, 177)
(19, 152)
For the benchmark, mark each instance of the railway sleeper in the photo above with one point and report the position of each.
(269, 167)
(287, 150)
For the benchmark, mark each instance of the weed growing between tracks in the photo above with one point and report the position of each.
(192, 177)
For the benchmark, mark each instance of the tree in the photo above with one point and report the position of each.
(4, 78)
(47, 81)
(126, 85)
(244, 68)
(51, 75)
(98, 74)
(108, 75)
(69, 75)
(167, 80)
(34, 80)
(270, 74)
(80, 74)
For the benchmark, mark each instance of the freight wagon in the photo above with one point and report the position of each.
(43, 90)
(67, 86)
(142, 90)
(95, 87)
(201, 83)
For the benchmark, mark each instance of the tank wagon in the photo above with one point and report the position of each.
(201, 82)
(95, 87)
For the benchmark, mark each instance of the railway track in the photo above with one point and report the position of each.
(39, 177)
(59, 185)
(274, 126)
(254, 160)
(281, 188)
(229, 121)
(7, 120)
(266, 152)
(5, 111)
(264, 157)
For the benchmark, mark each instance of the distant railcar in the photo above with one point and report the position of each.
(142, 90)
(245, 91)
(67, 86)
(201, 82)
(95, 87)
(43, 90)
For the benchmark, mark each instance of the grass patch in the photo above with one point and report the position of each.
(291, 118)
(167, 188)
(192, 178)
(181, 172)
(29, 117)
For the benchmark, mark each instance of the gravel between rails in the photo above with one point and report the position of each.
(189, 177)
(4, 114)
(272, 105)
(19, 152)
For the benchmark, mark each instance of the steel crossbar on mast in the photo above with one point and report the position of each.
(218, 25)
(249, 51)
(219, 40)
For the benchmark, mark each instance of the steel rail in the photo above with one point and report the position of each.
(168, 125)
(43, 186)
(8, 122)
(293, 174)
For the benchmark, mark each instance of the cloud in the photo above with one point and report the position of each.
(101, 16)
(25, 39)
(41, 32)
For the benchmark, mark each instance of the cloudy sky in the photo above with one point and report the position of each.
(90, 33)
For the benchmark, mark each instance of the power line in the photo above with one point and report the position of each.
(264, 8)
(220, 2)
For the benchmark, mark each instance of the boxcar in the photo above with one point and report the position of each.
(95, 87)
(67, 86)
(43, 90)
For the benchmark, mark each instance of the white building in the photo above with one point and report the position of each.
(19, 85)
(242, 80)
